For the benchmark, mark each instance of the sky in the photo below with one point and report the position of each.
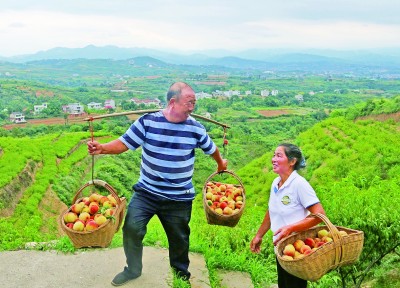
(28, 26)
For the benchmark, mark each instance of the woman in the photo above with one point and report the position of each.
(291, 200)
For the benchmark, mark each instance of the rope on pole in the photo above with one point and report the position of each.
(225, 143)
(92, 137)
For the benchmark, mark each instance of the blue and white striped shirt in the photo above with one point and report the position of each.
(167, 153)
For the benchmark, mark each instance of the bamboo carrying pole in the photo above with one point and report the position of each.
(149, 111)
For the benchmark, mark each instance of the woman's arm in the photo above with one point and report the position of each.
(255, 244)
(302, 225)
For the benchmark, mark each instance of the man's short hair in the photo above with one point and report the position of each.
(175, 90)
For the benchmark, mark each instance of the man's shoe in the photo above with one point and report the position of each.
(122, 278)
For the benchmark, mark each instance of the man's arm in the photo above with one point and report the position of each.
(222, 163)
(113, 147)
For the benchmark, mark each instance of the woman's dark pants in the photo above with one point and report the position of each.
(287, 280)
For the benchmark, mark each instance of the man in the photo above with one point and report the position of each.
(168, 139)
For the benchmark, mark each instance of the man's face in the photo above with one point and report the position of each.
(185, 105)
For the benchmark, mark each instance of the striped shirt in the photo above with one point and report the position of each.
(167, 153)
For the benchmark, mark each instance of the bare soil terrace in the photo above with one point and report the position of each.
(46, 121)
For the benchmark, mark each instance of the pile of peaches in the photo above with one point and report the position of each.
(89, 213)
(301, 248)
(223, 198)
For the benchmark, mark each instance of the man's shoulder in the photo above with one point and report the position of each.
(155, 114)
(193, 121)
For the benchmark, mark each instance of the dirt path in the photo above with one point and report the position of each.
(97, 267)
(93, 268)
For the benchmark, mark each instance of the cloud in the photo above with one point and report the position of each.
(29, 26)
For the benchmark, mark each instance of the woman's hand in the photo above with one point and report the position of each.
(255, 244)
(283, 232)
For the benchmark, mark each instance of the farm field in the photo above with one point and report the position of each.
(44, 121)
(284, 111)
(350, 163)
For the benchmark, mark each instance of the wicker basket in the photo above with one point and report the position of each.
(102, 236)
(343, 250)
(214, 218)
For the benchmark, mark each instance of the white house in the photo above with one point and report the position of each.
(38, 108)
(146, 102)
(264, 93)
(201, 95)
(274, 92)
(95, 105)
(299, 97)
(73, 109)
(231, 93)
(17, 117)
(109, 104)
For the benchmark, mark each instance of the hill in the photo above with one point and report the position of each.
(351, 163)
(384, 61)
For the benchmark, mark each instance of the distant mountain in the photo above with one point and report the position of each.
(268, 59)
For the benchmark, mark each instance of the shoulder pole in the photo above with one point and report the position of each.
(91, 118)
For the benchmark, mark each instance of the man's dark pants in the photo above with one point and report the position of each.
(175, 218)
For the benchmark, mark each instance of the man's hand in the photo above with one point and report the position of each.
(94, 147)
(223, 165)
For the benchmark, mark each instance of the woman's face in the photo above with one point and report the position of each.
(280, 163)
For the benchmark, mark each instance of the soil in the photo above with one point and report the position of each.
(92, 268)
(382, 117)
(96, 267)
(12, 192)
(275, 113)
(46, 121)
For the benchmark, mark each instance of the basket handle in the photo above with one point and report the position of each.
(337, 238)
(97, 182)
(228, 172)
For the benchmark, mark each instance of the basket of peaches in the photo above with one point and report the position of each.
(224, 198)
(95, 215)
(312, 253)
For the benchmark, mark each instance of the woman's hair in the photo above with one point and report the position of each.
(293, 152)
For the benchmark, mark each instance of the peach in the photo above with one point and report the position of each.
(227, 211)
(91, 225)
(100, 219)
(304, 248)
(310, 242)
(70, 217)
(298, 244)
(289, 250)
(78, 226)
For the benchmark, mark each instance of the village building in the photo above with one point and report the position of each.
(109, 104)
(17, 117)
(274, 92)
(264, 93)
(227, 94)
(39, 108)
(147, 102)
(95, 105)
(202, 95)
(73, 109)
(299, 97)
